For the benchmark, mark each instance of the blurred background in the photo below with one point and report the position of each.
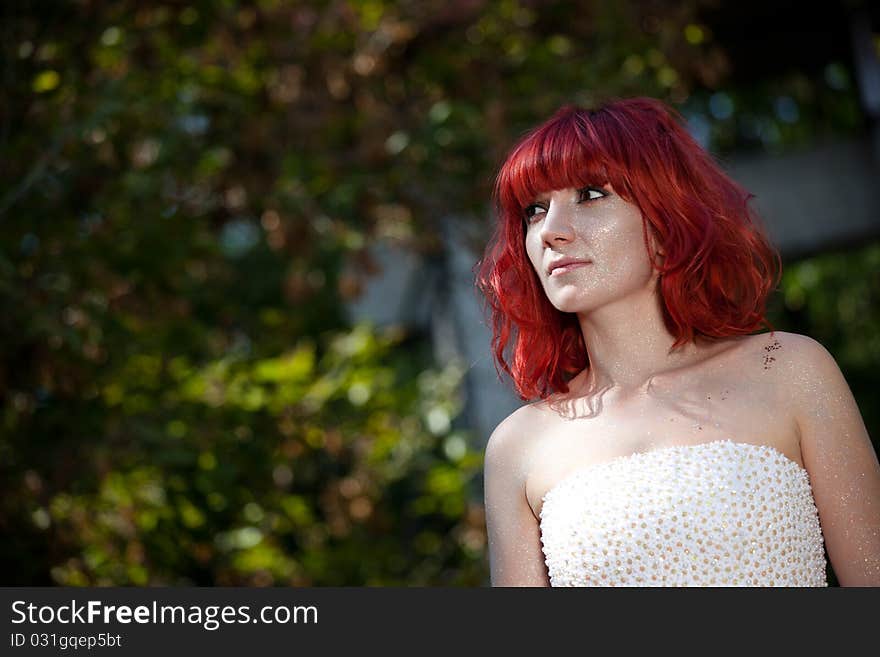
(241, 343)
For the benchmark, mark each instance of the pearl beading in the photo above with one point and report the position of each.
(721, 513)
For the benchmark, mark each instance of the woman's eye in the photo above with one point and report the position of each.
(587, 193)
(531, 211)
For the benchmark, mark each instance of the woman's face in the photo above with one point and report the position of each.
(602, 231)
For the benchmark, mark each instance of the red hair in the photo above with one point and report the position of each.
(718, 269)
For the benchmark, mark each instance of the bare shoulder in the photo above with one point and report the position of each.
(809, 379)
(510, 450)
(506, 447)
(788, 354)
(795, 355)
(788, 339)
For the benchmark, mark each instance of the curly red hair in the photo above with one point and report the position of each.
(718, 268)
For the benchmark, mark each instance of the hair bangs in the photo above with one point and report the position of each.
(565, 152)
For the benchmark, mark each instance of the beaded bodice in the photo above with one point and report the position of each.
(721, 513)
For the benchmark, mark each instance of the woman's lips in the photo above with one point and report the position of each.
(558, 271)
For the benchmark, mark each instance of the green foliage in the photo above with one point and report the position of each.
(307, 468)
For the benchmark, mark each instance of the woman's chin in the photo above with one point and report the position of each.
(567, 305)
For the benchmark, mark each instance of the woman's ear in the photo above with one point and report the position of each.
(655, 245)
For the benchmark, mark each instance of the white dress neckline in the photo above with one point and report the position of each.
(585, 469)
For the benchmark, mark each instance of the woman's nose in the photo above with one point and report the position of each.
(557, 224)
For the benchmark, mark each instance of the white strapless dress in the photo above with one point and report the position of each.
(721, 513)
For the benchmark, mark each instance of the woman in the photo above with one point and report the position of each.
(671, 444)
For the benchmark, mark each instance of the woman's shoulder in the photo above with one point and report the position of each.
(513, 436)
(788, 352)
(799, 367)
(513, 427)
(807, 361)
